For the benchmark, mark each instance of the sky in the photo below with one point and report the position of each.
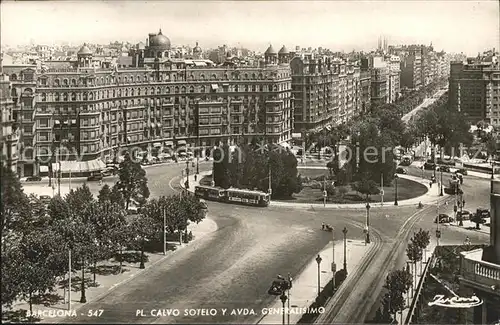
(454, 26)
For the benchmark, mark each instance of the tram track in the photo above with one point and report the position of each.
(355, 298)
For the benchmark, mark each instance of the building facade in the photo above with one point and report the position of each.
(411, 76)
(326, 91)
(480, 270)
(155, 103)
(394, 86)
(9, 138)
(475, 89)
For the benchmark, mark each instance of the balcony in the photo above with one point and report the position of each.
(477, 272)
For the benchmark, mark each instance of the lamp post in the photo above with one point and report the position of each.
(396, 189)
(283, 299)
(441, 187)
(367, 225)
(289, 287)
(344, 231)
(318, 260)
(187, 175)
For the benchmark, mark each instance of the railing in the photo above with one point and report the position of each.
(480, 271)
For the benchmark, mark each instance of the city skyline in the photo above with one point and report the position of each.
(337, 25)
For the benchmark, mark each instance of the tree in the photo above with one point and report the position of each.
(342, 192)
(78, 199)
(104, 194)
(331, 191)
(13, 204)
(145, 230)
(132, 182)
(398, 281)
(414, 254)
(221, 166)
(58, 209)
(366, 187)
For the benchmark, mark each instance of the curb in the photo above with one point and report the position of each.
(482, 230)
(128, 279)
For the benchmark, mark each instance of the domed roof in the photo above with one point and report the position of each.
(197, 48)
(283, 50)
(270, 50)
(84, 50)
(160, 41)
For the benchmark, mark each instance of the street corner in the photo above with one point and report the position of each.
(204, 227)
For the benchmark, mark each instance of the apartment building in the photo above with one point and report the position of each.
(326, 91)
(394, 86)
(411, 75)
(153, 102)
(475, 88)
(9, 138)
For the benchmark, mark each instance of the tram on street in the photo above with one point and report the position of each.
(232, 195)
(247, 197)
(210, 193)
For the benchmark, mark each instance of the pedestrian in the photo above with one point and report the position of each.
(323, 226)
(100, 182)
(463, 203)
(430, 184)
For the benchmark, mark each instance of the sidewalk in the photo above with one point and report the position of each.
(109, 282)
(484, 175)
(471, 226)
(431, 197)
(305, 286)
(416, 279)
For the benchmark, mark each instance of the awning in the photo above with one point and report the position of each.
(157, 144)
(79, 166)
(73, 121)
(181, 142)
(44, 169)
(225, 85)
(215, 86)
(169, 143)
(296, 135)
(129, 139)
(199, 64)
(57, 122)
(152, 125)
(158, 125)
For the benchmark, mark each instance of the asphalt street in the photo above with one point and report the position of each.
(233, 267)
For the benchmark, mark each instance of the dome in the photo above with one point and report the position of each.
(270, 50)
(283, 50)
(159, 41)
(84, 50)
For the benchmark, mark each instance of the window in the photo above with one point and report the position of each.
(204, 121)
(203, 132)
(28, 129)
(44, 97)
(57, 82)
(215, 131)
(215, 120)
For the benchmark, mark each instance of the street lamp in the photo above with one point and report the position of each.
(367, 226)
(187, 175)
(283, 299)
(396, 189)
(344, 231)
(441, 188)
(318, 260)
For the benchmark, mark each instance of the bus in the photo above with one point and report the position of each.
(247, 197)
(210, 193)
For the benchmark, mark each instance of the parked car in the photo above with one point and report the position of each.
(33, 179)
(429, 166)
(401, 170)
(462, 171)
(45, 199)
(443, 218)
(444, 169)
(483, 213)
(95, 177)
(108, 172)
(464, 214)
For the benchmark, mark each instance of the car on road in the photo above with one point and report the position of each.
(443, 218)
(401, 170)
(95, 177)
(462, 171)
(33, 179)
(442, 168)
(464, 214)
(483, 213)
(45, 199)
(429, 166)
